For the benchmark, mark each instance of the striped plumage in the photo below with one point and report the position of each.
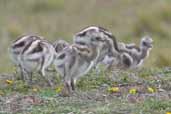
(34, 57)
(18, 46)
(91, 46)
(109, 46)
(132, 56)
(76, 60)
(37, 58)
(59, 45)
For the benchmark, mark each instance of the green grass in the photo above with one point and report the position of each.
(92, 95)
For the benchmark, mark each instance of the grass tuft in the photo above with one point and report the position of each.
(46, 6)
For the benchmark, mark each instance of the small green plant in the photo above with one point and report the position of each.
(47, 92)
(154, 104)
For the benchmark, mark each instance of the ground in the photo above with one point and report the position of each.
(144, 91)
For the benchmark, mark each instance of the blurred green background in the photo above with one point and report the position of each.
(128, 20)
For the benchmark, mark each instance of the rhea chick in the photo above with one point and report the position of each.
(109, 46)
(18, 46)
(132, 56)
(37, 58)
(76, 60)
(59, 45)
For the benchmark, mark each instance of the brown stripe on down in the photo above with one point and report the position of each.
(19, 38)
(37, 49)
(27, 46)
(21, 44)
(81, 48)
(28, 36)
(114, 42)
(105, 31)
(126, 61)
(81, 33)
(85, 28)
(109, 34)
(62, 56)
(31, 39)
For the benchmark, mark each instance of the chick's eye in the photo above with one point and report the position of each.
(144, 43)
(98, 38)
(82, 43)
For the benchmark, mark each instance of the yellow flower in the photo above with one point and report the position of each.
(150, 90)
(133, 91)
(58, 89)
(168, 112)
(113, 89)
(9, 81)
(35, 89)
